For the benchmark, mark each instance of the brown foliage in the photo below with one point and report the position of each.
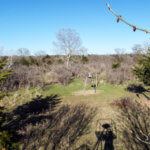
(33, 75)
(23, 77)
(134, 124)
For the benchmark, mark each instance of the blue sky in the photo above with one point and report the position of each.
(33, 24)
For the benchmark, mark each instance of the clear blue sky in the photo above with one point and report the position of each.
(33, 24)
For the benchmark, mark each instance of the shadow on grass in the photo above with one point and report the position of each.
(105, 135)
(138, 89)
(39, 124)
(28, 113)
(2, 116)
(8, 137)
(61, 130)
(23, 115)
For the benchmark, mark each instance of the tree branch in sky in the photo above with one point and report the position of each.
(120, 18)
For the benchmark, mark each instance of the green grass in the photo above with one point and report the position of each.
(108, 94)
(102, 100)
(76, 85)
(64, 91)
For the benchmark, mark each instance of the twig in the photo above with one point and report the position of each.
(143, 141)
(120, 18)
(146, 142)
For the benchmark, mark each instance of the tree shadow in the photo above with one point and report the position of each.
(2, 116)
(40, 123)
(8, 137)
(83, 147)
(138, 89)
(147, 97)
(29, 112)
(105, 135)
(60, 131)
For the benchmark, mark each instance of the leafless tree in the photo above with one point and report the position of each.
(146, 46)
(82, 51)
(119, 51)
(69, 43)
(1, 50)
(137, 49)
(40, 53)
(23, 52)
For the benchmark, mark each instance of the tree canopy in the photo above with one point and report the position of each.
(142, 71)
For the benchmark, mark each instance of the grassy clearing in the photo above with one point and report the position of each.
(100, 101)
(108, 94)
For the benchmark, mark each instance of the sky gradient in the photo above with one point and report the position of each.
(33, 24)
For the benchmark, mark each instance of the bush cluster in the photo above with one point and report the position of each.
(31, 71)
(134, 124)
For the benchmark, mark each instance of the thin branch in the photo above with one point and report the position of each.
(146, 142)
(120, 18)
(138, 138)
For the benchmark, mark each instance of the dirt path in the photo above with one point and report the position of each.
(87, 92)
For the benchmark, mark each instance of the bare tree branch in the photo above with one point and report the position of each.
(120, 18)
(69, 43)
(146, 142)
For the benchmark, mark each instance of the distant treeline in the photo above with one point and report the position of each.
(32, 71)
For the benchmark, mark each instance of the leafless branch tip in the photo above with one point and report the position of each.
(119, 17)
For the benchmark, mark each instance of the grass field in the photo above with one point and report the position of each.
(100, 101)
(107, 94)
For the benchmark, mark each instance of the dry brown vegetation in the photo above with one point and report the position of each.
(35, 71)
(134, 124)
(41, 123)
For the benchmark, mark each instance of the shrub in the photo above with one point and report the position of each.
(142, 71)
(6, 141)
(6, 138)
(33, 61)
(96, 64)
(45, 58)
(61, 75)
(23, 77)
(49, 62)
(84, 59)
(134, 124)
(60, 61)
(116, 65)
(24, 62)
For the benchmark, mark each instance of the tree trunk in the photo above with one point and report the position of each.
(68, 59)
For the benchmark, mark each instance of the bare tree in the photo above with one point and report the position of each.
(69, 43)
(23, 52)
(83, 51)
(40, 53)
(137, 49)
(118, 57)
(146, 46)
(119, 51)
(1, 50)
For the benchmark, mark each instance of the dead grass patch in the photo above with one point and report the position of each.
(87, 92)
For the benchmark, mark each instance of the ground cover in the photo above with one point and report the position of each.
(101, 101)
